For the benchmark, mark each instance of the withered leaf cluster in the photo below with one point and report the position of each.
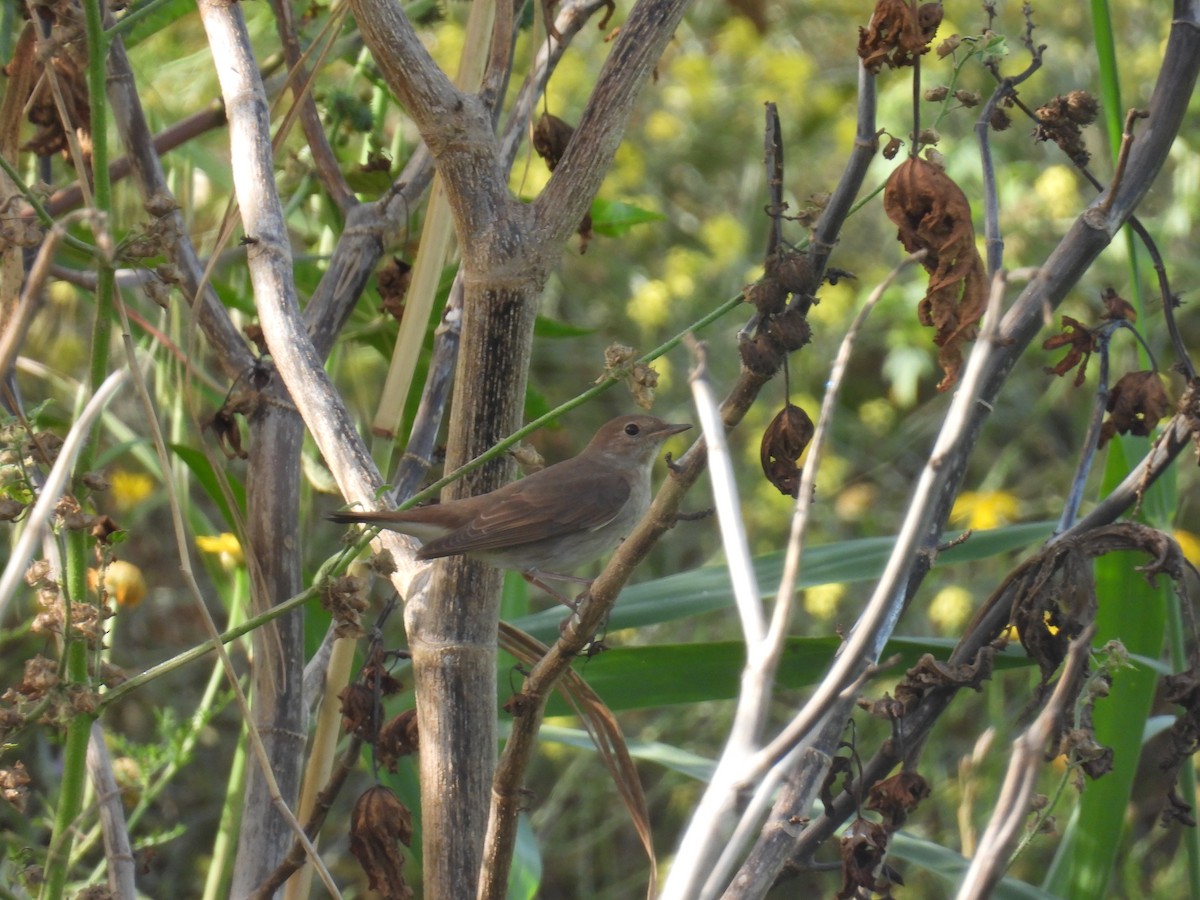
(393, 281)
(14, 785)
(621, 361)
(65, 51)
(1136, 403)
(894, 798)
(1183, 740)
(362, 711)
(784, 327)
(932, 214)
(1062, 120)
(1055, 592)
(361, 701)
(930, 673)
(783, 444)
(898, 33)
(379, 824)
(864, 868)
(346, 599)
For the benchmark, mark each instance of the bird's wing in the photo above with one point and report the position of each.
(562, 499)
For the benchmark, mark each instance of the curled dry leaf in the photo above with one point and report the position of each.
(1055, 601)
(359, 711)
(550, 138)
(894, 798)
(898, 33)
(1082, 343)
(400, 736)
(1136, 403)
(863, 850)
(930, 673)
(783, 443)
(229, 435)
(1055, 592)
(933, 215)
(790, 329)
(1183, 739)
(379, 824)
(393, 281)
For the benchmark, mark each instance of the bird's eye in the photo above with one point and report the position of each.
(632, 430)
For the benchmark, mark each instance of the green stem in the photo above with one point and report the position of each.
(74, 776)
(220, 868)
(75, 649)
(97, 72)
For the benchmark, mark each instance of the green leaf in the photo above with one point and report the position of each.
(372, 183)
(553, 328)
(951, 867)
(613, 218)
(159, 15)
(666, 674)
(199, 466)
(525, 876)
(708, 588)
(666, 755)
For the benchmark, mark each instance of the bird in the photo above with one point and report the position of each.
(551, 522)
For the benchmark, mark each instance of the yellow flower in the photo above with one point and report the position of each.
(1189, 543)
(224, 546)
(130, 488)
(123, 581)
(985, 509)
(821, 601)
(950, 609)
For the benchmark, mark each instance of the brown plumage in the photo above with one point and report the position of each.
(553, 521)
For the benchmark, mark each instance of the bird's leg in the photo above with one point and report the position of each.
(535, 576)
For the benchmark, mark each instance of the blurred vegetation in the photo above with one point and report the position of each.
(693, 158)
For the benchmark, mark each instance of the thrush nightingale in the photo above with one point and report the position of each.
(551, 522)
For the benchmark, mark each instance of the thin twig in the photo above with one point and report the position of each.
(1025, 764)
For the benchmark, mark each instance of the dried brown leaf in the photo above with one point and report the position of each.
(393, 281)
(1082, 344)
(398, 737)
(863, 849)
(379, 824)
(359, 716)
(550, 138)
(346, 600)
(899, 32)
(783, 443)
(1136, 403)
(894, 798)
(933, 215)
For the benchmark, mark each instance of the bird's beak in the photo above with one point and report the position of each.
(668, 429)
